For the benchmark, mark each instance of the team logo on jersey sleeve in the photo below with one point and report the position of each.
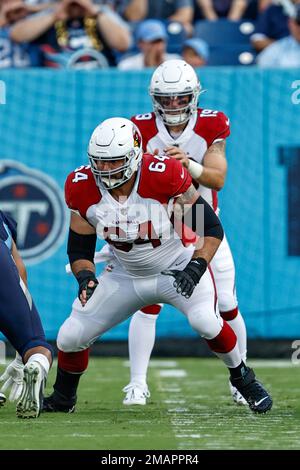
(37, 203)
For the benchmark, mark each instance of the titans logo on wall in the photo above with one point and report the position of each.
(37, 203)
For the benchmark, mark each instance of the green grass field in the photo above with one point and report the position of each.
(189, 408)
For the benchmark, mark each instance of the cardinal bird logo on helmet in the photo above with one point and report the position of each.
(136, 138)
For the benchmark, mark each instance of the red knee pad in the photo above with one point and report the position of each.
(225, 341)
(230, 314)
(151, 309)
(75, 362)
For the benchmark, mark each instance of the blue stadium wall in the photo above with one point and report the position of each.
(46, 118)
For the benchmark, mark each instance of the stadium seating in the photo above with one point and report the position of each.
(231, 55)
(224, 32)
(229, 41)
(176, 36)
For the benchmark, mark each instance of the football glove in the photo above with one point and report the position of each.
(83, 278)
(13, 379)
(187, 279)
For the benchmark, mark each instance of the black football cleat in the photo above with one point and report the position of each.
(56, 403)
(254, 393)
(2, 399)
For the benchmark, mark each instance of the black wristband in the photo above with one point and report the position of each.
(196, 268)
(201, 261)
(81, 246)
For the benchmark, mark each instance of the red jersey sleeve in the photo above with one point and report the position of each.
(162, 178)
(181, 179)
(147, 127)
(212, 125)
(81, 190)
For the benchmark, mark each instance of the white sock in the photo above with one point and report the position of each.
(141, 341)
(42, 360)
(232, 358)
(239, 327)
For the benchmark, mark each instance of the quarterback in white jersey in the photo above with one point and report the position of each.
(137, 204)
(196, 137)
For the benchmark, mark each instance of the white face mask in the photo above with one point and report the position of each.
(105, 178)
(175, 119)
(173, 116)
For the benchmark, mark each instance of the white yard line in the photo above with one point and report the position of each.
(181, 419)
(273, 363)
(154, 363)
(178, 373)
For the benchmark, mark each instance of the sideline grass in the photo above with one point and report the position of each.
(190, 408)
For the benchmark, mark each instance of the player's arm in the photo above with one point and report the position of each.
(197, 214)
(214, 168)
(19, 263)
(212, 172)
(81, 249)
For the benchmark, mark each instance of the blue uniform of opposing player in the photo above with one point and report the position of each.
(21, 324)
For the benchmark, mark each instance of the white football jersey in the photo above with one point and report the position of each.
(138, 229)
(203, 129)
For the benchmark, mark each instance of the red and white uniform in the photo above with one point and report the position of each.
(204, 128)
(140, 223)
(134, 277)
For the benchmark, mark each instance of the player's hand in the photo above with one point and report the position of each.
(187, 279)
(13, 379)
(178, 154)
(87, 284)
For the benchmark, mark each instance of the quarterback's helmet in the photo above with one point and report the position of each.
(114, 140)
(174, 78)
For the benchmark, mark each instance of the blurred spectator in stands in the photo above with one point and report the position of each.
(263, 4)
(13, 54)
(133, 10)
(195, 52)
(215, 9)
(286, 51)
(130, 10)
(272, 24)
(152, 39)
(38, 5)
(172, 10)
(73, 26)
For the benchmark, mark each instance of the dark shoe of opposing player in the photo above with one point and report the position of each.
(56, 403)
(254, 393)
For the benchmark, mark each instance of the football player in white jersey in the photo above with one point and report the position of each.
(197, 138)
(144, 206)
